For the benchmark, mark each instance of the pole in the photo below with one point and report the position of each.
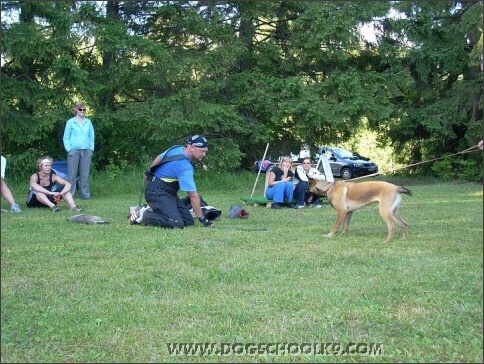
(258, 173)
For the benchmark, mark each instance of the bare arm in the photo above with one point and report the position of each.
(155, 162)
(285, 176)
(195, 202)
(61, 181)
(37, 187)
(272, 177)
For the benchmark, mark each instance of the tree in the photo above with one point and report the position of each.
(242, 73)
(436, 44)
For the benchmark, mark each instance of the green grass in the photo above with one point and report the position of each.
(120, 293)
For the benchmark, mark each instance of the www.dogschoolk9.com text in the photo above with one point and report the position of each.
(275, 349)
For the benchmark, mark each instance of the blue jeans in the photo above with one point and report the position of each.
(280, 192)
(79, 160)
(301, 194)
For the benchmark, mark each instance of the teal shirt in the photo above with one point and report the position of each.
(77, 136)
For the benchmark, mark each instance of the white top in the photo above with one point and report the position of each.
(304, 153)
(4, 164)
(313, 173)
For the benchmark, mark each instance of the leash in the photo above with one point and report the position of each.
(237, 228)
(142, 190)
(472, 149)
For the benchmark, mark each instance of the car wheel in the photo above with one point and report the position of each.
(346, 173)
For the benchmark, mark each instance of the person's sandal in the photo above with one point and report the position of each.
(55, 208)
(76, 209)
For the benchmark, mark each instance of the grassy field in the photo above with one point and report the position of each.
(121, 293)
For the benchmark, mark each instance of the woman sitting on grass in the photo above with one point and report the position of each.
(47, 188)
(301, 183)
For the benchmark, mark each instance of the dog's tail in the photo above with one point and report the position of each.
(404, 190)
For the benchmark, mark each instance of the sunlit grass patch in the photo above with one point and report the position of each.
(106, 293)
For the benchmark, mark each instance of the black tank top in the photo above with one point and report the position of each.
(50, 186)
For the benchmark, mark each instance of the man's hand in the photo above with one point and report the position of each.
(204, 221)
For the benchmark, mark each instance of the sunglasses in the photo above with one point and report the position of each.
(306, 162)
(81, 109)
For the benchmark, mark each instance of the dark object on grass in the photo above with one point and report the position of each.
(87, 219)
(236, 211)
(210, 212)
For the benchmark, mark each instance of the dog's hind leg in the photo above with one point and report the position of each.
(388, 218)
(387, 212)
(402, 224)
(346, 222)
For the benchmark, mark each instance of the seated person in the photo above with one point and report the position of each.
(279, 186)
(301, 183)
(304, 153)
(6, 193)
(47, 188)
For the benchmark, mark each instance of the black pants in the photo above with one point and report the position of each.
(301, 194)
(167, 210)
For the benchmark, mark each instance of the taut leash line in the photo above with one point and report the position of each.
(468, 150)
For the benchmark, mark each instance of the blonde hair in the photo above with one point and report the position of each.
(77, 106)
(283, 158)
(43, 160)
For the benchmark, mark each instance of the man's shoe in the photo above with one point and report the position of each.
(276, 206)
(15, 209)
(55, 208)
(316, 206)
(76, 209)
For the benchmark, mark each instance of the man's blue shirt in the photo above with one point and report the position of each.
(181, 170)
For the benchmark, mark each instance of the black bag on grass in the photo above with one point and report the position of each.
(210, 212)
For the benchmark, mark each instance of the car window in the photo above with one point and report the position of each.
(342, 153)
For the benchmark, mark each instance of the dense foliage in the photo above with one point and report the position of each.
(244, 74)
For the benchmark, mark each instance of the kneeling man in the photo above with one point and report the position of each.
(171, 172)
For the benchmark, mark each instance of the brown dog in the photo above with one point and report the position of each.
(346, 197)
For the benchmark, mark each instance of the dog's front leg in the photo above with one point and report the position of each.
(346, 222)
(341, 215)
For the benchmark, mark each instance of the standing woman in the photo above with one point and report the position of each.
(79, 144)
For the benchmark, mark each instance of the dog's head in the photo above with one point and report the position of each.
(318, 187)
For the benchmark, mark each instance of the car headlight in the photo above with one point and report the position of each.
(358, 164)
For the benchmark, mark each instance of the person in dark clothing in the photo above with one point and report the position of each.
(301, 183)
(172, 171)
(47, 189)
